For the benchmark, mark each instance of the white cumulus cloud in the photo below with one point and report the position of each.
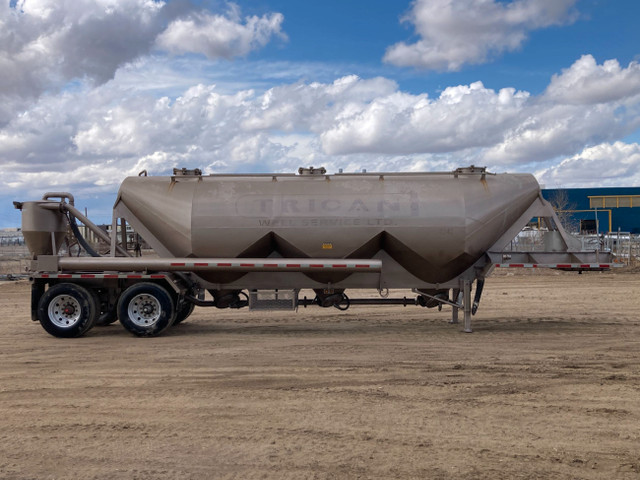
(611, 163)
(586, 82)
(453, 33)
(48, 45)
(586, 104)
(220, 36)
(462, 117)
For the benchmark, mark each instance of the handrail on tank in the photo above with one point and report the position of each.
(306, 172)
(464, 171)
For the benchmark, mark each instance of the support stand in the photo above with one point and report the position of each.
(456, 299)
(467, 306)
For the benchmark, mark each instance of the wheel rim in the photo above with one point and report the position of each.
(144, 310)
(64, 311)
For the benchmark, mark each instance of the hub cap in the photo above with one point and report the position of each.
(144, 310)
(64, 311)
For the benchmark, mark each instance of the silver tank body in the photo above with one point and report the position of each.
(435, 226)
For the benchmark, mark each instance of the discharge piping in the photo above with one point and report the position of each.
(60, 195)
(80, 238)
(78, 214)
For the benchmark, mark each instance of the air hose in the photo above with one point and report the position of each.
(79, 237)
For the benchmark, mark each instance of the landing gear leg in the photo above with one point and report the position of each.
(467, 306)
(454, 312)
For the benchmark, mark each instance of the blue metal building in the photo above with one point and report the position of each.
(615, 208)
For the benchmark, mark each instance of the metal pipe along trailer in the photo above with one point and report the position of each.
(256, 240)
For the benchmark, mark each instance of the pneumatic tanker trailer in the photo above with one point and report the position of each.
(256, 240)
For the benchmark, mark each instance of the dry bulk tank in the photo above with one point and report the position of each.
(257, 240)
(434, 226)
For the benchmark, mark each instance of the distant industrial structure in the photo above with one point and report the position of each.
(10, 237)
(597, 210)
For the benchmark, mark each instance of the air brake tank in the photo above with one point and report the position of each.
(434, 225)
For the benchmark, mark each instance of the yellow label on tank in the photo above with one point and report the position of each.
(327, 246)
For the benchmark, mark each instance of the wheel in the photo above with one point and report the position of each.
(184, 311)
(146, 309)
(67, 310)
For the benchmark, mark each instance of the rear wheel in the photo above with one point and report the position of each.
(146, 309)
(67, 310)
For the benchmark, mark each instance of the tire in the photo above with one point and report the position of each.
(184, 311)
(67, 310)
(146, 309)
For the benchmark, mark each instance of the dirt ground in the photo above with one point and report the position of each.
(548, 386)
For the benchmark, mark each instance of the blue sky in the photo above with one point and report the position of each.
(355, 34)
(94, 90)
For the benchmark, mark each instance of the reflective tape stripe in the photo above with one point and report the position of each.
(136, 270)
(84, 276)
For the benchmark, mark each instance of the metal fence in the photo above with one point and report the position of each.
(12, 244)
(11, 239)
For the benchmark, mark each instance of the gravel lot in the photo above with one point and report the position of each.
(548, 386)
